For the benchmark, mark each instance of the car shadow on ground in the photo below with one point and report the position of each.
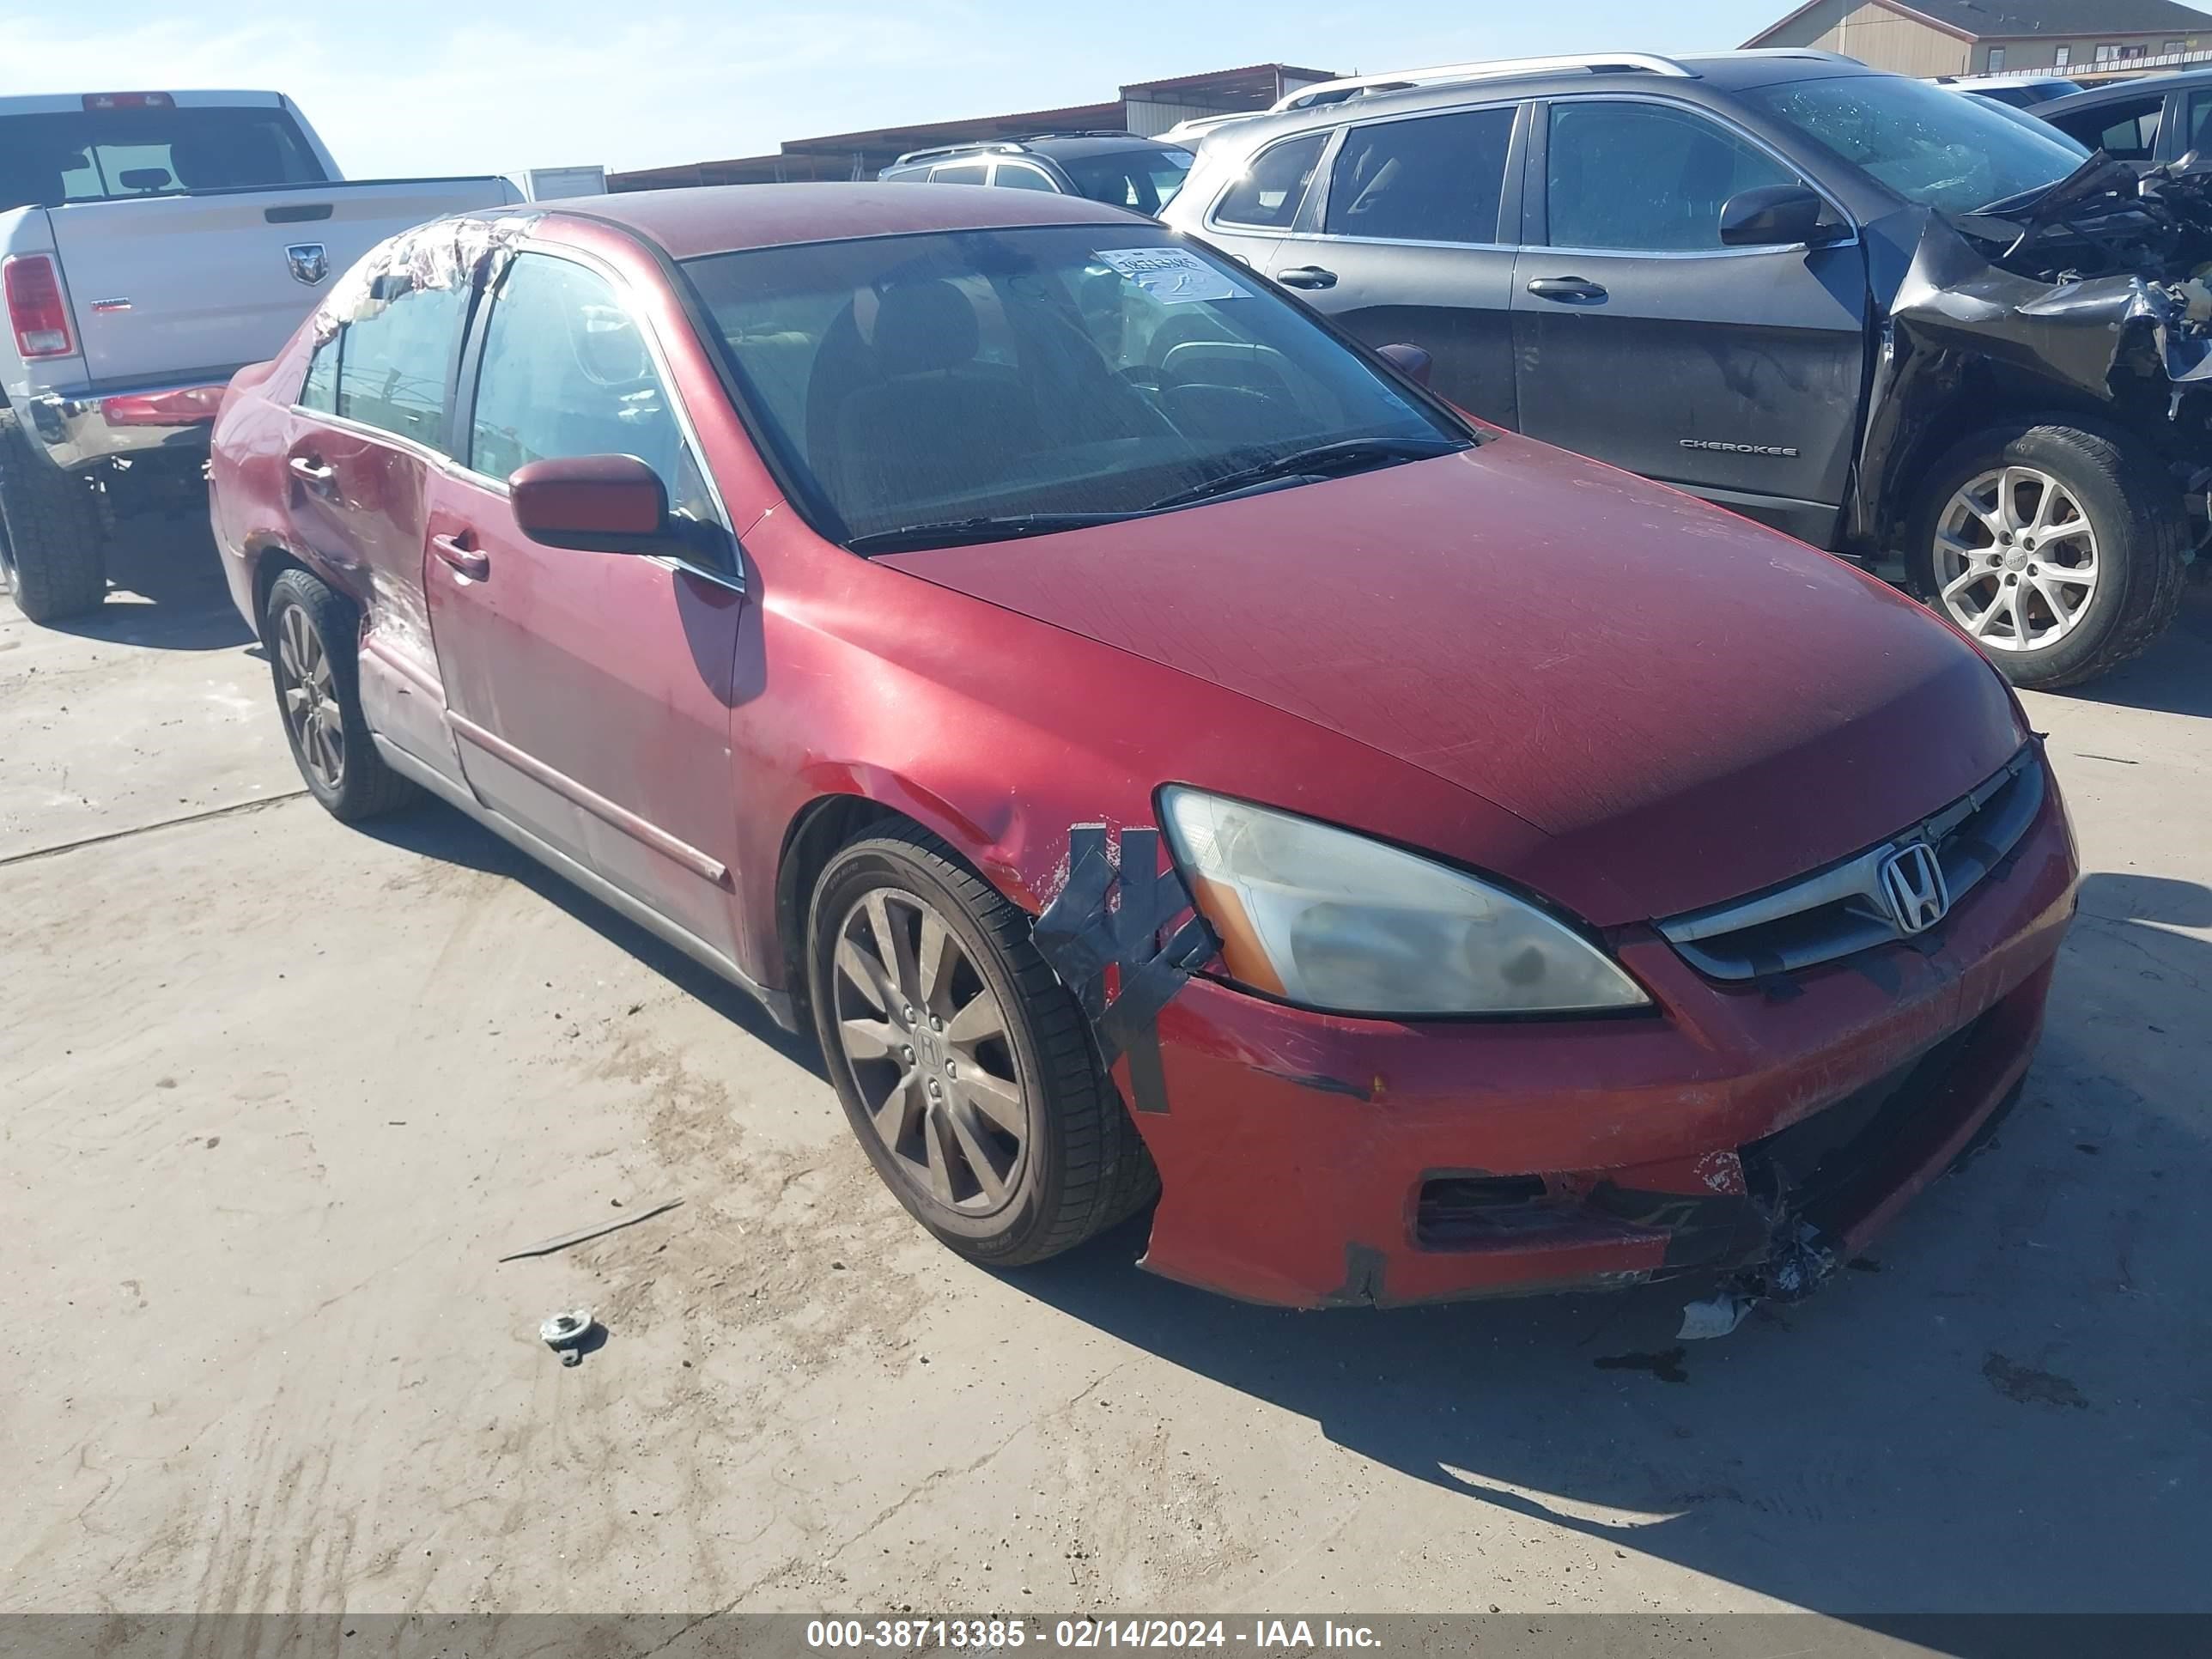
(2174, 676)
(167, 590)
(435, 830)
(2002, 1409)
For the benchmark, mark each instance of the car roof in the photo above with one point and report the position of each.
(2120, 92)
(1703, 77)
(725, 218)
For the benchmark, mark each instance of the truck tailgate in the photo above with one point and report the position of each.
(208, 277)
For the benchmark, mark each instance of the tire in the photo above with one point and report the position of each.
(2136, 531)
(310, 633)
(1079, 1166)
(53, 552)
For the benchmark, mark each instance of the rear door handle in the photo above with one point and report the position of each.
(470, 562)
(314, 474)
(1578, 289)
(1306, 276)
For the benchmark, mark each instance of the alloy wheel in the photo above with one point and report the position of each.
(312, 715)
(2015, 559)
(927, 1041)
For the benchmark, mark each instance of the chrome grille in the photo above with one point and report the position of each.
(1845, 908)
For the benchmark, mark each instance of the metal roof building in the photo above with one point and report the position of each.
(1142, 107)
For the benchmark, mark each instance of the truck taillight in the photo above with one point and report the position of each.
(35, 310)
(128, 101)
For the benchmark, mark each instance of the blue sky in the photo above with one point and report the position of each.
(400, 86)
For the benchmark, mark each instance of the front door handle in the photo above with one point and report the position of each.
(472, 562)
(1578, 290)
(1306, 276)
(316, 475)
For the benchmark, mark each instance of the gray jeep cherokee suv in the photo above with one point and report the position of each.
(1910, 327)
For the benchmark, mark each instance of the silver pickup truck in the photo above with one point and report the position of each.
(151, 244)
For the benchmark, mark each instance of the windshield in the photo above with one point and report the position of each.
(1929, 145)
(1145, 180)
(93, 156)
(1080, 370)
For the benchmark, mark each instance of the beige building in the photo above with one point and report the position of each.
(1974, 37)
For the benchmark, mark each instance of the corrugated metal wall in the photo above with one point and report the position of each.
(1147, 119)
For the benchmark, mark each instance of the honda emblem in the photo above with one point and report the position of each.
(310, 262)
(1913, 887)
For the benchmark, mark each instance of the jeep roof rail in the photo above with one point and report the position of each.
(1083, 132)
(1353, 86)
(982, 147)
(1813, 53)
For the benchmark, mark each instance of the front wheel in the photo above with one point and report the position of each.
(2059, 550)
(963, 1065)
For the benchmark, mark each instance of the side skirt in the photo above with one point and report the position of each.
(778, 1003)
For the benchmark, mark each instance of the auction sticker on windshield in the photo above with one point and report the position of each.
(1171, 275)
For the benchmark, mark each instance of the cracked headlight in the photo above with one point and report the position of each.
(1331, 919)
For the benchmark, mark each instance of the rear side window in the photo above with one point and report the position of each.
(960, 173)
(2128, 130)
(392, 364)
(1267, 197)
(1437, 179)
(320, 390)
(90, 155)
(1643, 178)
(1020, 175)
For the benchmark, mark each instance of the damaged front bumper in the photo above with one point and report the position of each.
(1764, 1130)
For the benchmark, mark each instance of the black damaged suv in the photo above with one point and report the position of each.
(1915, 328)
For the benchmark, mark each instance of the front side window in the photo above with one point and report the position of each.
(394, 363)
(1929, 145)
(930, 383)
(1268, 196)
(1437, 179)
(566, 372)
(1645, 178)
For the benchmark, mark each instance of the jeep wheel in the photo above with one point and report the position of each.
(51, 552)
(2057, 549)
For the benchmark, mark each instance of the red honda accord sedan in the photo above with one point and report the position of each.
(1159, 749)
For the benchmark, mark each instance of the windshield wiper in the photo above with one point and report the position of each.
(962, 532)
(1343, 455)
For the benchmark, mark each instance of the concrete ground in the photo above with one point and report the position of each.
(279, 1093)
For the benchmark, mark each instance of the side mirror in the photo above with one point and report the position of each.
(1775, 215)
(1409, 360)
(598, 503)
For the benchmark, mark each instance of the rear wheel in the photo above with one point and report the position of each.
(310, 633)
(52, 546)
(2059, 549)
(962, 1064)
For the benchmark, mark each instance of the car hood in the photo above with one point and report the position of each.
(1701, 705)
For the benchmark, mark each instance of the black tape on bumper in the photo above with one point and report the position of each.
(1083, 933)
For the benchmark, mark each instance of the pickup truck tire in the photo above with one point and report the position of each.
(2009, 530)
(1020, 1088)
(311, 634)
(53, 549)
